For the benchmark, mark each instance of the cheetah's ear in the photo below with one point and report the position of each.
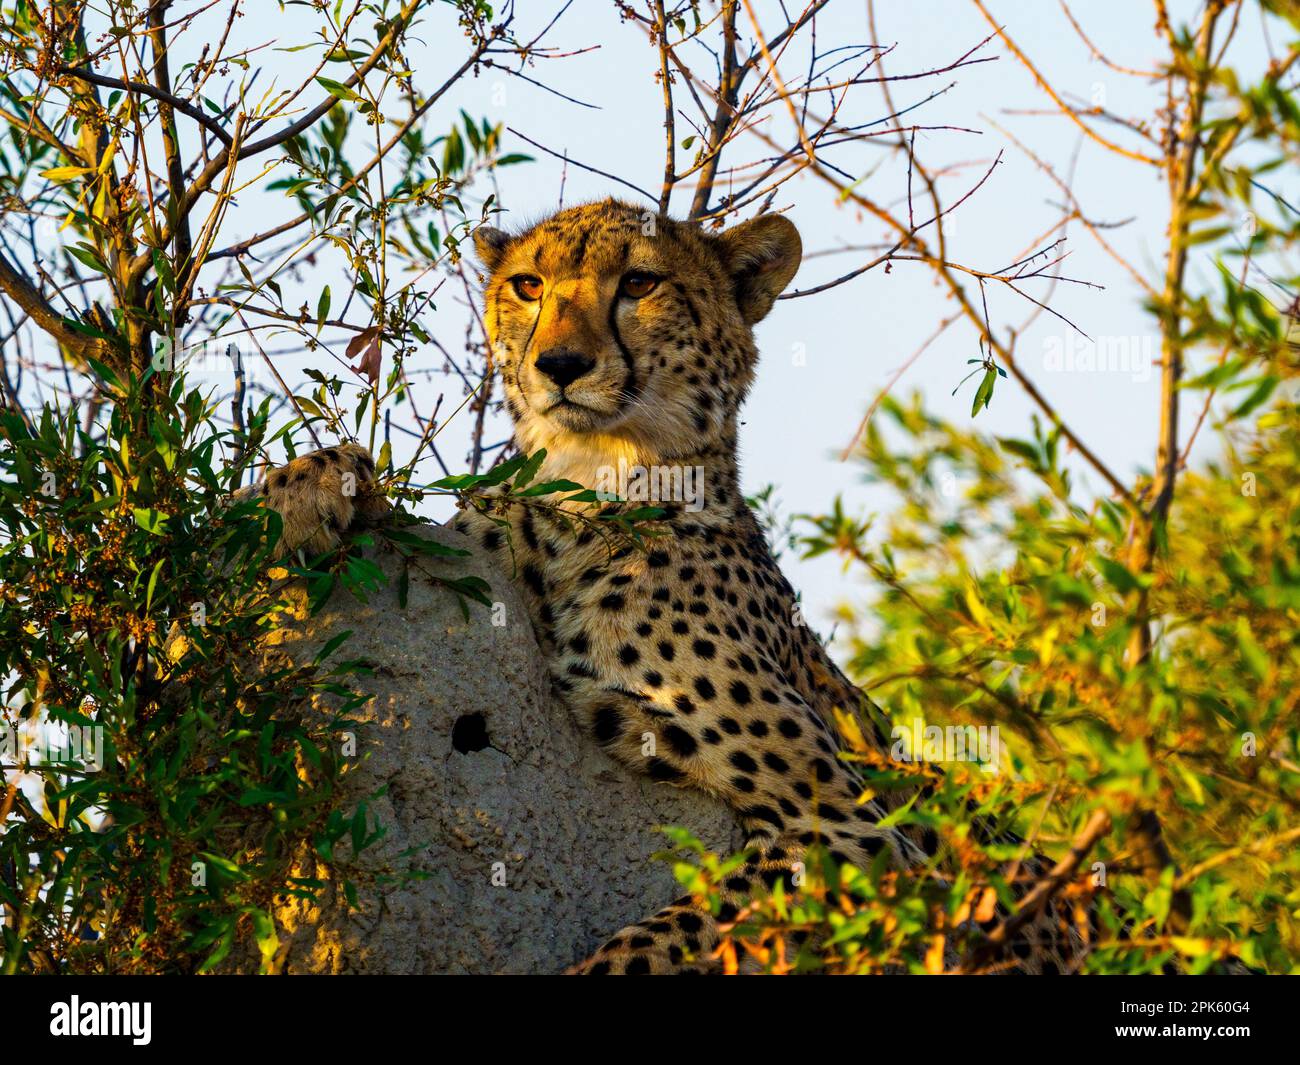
(491, 245)
(762, 256)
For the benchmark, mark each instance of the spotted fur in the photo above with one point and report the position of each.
(321, 495)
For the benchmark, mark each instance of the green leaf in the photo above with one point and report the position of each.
(529, 470)
(1117, 575)
(331, 645)
(1215, 377)
(1209, 233)
(226, 941)
(475, 588)
(152, 521)
(163, 269)
(337, 89)
(549, 487)
(153, 580)
(1257, 398)
(1022, 448)
(422, 544)
(1251, 652)
(267, 940)
(984, 393)
(87, 257)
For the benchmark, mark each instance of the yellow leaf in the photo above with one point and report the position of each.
(1047, 644)
(66, 173)
(934, 956)
(849, 729)
(1189, 946)
(100, 208)
(976, 606)
(1193, 784)
(107, 161)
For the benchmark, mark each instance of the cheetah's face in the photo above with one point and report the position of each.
(611, 325)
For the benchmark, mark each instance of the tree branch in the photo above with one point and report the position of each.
(145, 89)
(16, 286)
(670, 135)
(171, 144)
(1065, 108)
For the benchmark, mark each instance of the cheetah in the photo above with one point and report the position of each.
(624, 339)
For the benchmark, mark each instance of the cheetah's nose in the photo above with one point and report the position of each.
(564, 365)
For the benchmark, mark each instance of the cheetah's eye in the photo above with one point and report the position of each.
(636, 284)
(527, 287)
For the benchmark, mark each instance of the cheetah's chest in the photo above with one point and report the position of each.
(611, 599)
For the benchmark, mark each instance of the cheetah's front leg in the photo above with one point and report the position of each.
(755, 744)
(319, 496)
(681, 938)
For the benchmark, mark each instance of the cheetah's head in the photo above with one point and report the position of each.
(619, 330)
